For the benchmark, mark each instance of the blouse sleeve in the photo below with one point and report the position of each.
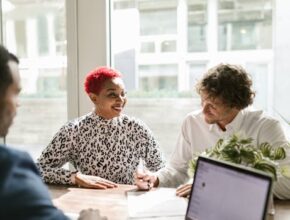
(175, 171)
(153, 156)
(56, 154)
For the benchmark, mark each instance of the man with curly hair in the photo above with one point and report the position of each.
(225, 92)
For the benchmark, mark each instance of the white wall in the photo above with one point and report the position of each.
(87, 48)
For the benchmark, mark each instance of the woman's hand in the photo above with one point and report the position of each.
(145, 180)
(93, 182)
(184, 190)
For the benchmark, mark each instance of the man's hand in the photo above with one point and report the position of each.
(184, 190)
(93, 182)
(145, 180)
(91, 214)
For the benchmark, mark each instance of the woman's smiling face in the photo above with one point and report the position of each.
(111, 99)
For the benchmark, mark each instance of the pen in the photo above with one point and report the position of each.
(141, 169)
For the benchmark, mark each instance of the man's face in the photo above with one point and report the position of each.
(111, 99)
(9, 102)
(216, 112)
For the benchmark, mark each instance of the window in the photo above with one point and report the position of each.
(172, 43)
(160, 46)
(157, 21)
(147, 47)
(243, 25)
(20, 35)
(197, 26)
(158, 77)
(260, 77)
(168, 46)
(42, 33)
(36, 33)
(196, 71)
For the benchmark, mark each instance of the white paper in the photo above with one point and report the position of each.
(72, 216)
(161, 202)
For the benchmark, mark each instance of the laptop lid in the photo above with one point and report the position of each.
(223, 191)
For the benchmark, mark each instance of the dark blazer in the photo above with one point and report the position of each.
(22, 192)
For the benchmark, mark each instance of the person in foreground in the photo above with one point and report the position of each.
(225, 92)
(22, 192)
(105, 145)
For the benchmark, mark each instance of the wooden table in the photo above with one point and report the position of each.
(113, 203)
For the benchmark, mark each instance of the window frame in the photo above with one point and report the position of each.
(80, 48)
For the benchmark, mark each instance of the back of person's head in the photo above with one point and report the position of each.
(97, 77)
(6, 78)
(230, 83)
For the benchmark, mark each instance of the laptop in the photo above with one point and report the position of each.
(223, 191)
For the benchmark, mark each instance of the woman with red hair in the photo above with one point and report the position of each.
(105, 145)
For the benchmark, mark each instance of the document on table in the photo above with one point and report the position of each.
(160, 202)
(72, 216)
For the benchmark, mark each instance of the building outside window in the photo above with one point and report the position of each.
(198, 35)
(243, 25)
(162, 47)
(197, 26)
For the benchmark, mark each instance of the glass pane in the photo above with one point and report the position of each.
(168, 46)
(259, 73)
(162, 60)
(20, 37)
(42, 33)
(243, 25)
(151, 71)
(196, 72)
(197, 25)
(158, 77)
(35, 32)
(157, 22)
(147, 47)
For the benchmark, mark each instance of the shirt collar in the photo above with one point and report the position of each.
(234, 125)
(103, 121)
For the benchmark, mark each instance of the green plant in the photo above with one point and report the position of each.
(241, 151)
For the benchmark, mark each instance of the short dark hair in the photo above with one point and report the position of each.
(5, 73)
(231, 83)
(95, 79)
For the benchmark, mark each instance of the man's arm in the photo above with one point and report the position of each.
(175, 172)
(274, 134)
(23, 194)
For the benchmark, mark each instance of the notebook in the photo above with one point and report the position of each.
(222, 191)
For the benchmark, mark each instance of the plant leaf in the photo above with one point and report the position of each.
(278, 154)
(241, 151)
(266, 167)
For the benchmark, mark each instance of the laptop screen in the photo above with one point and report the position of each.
(224, 192)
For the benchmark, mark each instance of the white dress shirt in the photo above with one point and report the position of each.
(196, 136)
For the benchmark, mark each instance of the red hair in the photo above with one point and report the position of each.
(96, 78)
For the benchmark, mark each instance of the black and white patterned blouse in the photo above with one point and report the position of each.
(95, 146)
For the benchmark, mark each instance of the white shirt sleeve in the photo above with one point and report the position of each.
(175, 172)
(274, 134)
